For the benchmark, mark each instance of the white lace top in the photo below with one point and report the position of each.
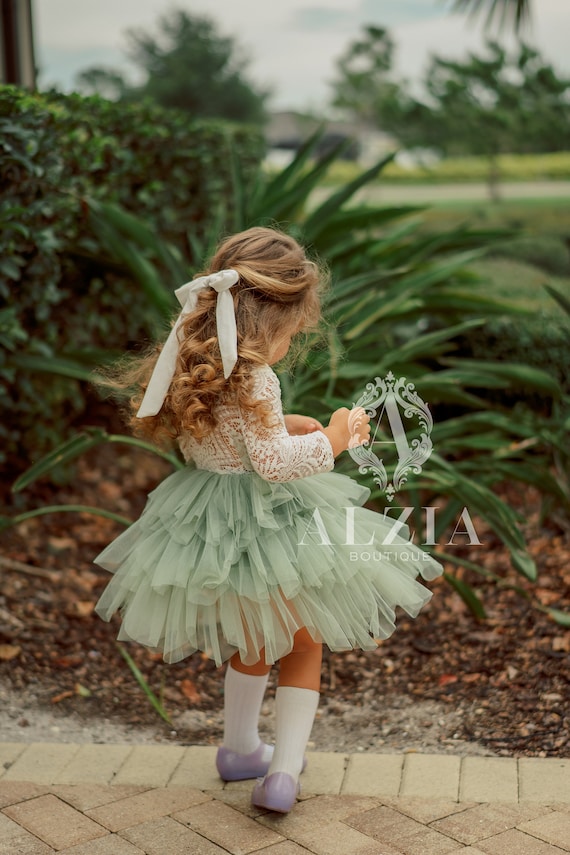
(241, 443)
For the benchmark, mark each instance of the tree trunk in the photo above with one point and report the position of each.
(494, 179)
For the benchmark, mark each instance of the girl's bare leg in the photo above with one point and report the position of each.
(302, 667)
(259, 669)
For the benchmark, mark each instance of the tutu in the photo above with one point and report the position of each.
(223, 563)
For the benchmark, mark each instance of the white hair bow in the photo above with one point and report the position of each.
(187, 296)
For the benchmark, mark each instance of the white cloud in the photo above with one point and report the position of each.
(297, 63)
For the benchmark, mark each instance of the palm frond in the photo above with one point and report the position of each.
(515, 11)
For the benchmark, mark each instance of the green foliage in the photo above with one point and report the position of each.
(517, 10)
(549, 253)
(490, 104)
(400, 301)
(66, 303)
(188, 66)
(497, 103)
(520, 269)
(364, 86)
(542, 341)
(154, 701)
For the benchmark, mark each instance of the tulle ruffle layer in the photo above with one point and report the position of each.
(224, 563)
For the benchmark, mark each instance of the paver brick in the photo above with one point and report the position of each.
(317, 812)
(552, 828)
(426, 810)
(41, 762)
(12, 792)
(337, 838)
(427, 842)
(324, 773)
(86, 796)
(197, 813)
(467, 850)
(287, 847)
(165, 836)
(482, 821)
(94, 764)
(238, 799)
(227, 827)
(9, 752)
(489, 779)
(431, 775)
(197, 769)
(373, 774)
(14, 839)
(545, 780)
(55, 822)
(151, 765)
(110, 845)
(404, 834)
(150, 804)
(384, 823)
(514, 842)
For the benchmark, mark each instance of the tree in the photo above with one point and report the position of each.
(364, 74)
(486, 105)
(518, 10)
(366, 89)
(499, 103)
(187, 65)
(107, 82)
(496, 104)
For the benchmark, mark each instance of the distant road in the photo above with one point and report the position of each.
(427, 193)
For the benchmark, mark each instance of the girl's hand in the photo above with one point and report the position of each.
(300, 425)
(348, 429)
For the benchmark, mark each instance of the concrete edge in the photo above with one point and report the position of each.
(442, 777)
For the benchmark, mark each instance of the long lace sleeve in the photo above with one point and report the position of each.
(274, 454)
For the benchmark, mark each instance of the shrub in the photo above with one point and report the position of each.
(547, 252)
(541, 342)
(68, 302)
(388, 280)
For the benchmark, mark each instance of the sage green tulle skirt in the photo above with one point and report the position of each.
(229, 562)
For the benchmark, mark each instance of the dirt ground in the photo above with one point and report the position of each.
(445, 682)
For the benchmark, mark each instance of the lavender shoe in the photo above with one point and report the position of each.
(232, 766)
(277, 792)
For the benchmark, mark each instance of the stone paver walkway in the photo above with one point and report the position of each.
(169, 800)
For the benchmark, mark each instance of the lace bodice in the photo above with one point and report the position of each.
(240, 443)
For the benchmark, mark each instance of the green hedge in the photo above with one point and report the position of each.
(64, 302)
(540, 342)
(548, 252)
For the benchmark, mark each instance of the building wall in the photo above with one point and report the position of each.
(17, 63)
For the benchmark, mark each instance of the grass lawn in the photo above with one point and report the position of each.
(537, 216)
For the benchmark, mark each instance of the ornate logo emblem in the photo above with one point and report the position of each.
(389, 396)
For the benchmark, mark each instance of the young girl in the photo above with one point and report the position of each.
(252, 554)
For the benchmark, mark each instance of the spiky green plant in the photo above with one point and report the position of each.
(399, 299)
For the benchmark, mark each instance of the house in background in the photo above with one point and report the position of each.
(17, 62)
(286, 132)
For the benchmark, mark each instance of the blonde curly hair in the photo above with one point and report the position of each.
(277, 296)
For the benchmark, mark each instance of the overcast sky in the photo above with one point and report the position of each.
(292, 44)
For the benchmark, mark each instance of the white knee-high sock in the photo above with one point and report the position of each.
(243, 696)
(295, 712)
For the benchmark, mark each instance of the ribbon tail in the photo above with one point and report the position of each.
(162, 375)
(227, 331)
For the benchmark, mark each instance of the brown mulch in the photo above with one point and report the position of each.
(509, 674)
